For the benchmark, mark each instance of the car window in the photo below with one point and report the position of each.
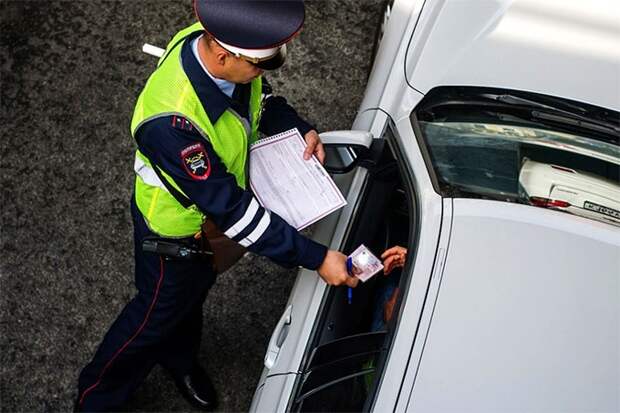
(346, 355)
(523, 147)
(346, 347)
(322, 385)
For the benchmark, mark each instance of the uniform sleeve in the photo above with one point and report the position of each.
(194, 166)
(278, 116)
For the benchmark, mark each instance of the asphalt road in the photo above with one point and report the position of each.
(71, 71)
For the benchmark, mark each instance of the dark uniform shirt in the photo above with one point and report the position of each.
(234, 210)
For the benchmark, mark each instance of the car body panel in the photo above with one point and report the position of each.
(273, 394)
(424, 293)
(390, 59)
(420, 271)
(552, 47)
(535, 335)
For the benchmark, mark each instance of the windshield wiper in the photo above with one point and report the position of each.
(518, 100)
(554, 114)
(531, 111)
(579, 121)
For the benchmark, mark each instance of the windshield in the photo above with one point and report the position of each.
(524, 148)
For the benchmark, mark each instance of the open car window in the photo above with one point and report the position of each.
(351, 340)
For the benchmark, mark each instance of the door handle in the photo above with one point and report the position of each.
(277, 337)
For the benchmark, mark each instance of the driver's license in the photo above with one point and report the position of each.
(364, 263)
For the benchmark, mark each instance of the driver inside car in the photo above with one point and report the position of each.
(393, 258)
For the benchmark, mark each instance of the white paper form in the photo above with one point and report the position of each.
(300, 191)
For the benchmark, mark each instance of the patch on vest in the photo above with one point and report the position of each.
(196, 161)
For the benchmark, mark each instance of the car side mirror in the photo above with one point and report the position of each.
(344, 149)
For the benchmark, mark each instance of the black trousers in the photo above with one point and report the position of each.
(160, 325)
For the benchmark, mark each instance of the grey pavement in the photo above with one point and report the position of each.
(71, 71)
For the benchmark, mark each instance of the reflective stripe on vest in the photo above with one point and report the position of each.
(148, 175)
(169, 92)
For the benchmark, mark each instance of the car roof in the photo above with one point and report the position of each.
(565, 48)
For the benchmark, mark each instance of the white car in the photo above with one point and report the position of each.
(570, 190)
(503, 305)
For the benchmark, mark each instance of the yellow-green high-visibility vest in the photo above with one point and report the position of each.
(169, 92)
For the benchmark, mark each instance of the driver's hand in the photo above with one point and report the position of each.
(393, 258)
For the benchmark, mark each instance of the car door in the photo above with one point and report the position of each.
(321, 347)
(293, 348)
(289, 339)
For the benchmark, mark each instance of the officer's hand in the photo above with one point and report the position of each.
(333, 270)
(314, 146)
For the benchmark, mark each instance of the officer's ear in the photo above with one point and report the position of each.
(218, 52)
(220, 58)
(221, 55)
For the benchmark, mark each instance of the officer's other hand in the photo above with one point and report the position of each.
(315, 147)
(333, 270)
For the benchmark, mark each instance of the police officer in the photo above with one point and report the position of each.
(193, 122)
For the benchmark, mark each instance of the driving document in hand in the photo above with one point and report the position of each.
(299, 191)
(364, 264)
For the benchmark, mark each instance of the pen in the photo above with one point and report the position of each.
(349, 289)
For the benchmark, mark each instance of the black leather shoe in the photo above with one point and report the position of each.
(198, 389)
